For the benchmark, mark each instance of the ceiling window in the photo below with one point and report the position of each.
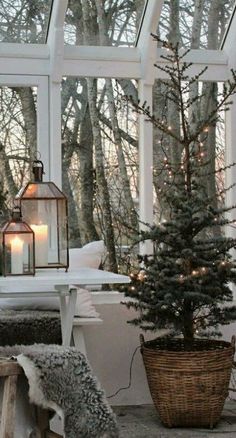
(24, 21)
(196, 24)
(103, 23)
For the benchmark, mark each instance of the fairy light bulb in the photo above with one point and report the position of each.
(203, 270)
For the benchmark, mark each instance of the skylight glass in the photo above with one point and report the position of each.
(103, 23)
(24, 21)
(196, 24)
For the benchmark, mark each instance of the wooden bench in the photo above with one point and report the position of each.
(9, 372)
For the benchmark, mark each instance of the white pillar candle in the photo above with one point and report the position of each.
(17, 255)
(41, 244)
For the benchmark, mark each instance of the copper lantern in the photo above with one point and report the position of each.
(44, 206)
(17, 246)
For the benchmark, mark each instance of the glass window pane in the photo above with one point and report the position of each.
(100, 161)
(209, 151)
(103, 23)
(196, 24)
(18, 137)
(24, 21)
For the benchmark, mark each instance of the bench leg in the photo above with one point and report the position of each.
(8, 407)
(43, 424)
(51, 434)
(78, 337)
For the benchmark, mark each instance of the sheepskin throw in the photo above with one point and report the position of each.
(61, 379)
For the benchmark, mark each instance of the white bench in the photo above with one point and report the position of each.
(98, 297)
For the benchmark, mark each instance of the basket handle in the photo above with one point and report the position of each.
(141, 339)
(233, 341)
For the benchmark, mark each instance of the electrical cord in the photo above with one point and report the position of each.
(130, 375)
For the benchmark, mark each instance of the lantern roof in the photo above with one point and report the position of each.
(16, 227)
(40, 190)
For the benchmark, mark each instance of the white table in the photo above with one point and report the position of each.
(58, 283)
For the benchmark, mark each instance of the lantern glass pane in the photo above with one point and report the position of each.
(18, 253)
(62, 231)
(47, 218)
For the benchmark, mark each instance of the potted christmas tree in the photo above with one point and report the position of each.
(184, 285)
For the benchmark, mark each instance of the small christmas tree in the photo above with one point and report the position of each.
(184, 285)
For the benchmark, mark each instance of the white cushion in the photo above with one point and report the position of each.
(89, 256)
(84, 305)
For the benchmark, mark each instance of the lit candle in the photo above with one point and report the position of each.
(41, 244)
(17, 255)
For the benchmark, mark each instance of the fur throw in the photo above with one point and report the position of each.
(61, 379)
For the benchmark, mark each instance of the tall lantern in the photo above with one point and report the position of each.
(17, 246)
(44, 207)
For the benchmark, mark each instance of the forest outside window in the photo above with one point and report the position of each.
(107, 23)
(18, 139)
(24, 21)
(100, 162)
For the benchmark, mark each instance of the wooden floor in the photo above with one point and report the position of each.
(143, 422)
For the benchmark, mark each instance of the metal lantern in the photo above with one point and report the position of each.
(44, 207)
(17, 246)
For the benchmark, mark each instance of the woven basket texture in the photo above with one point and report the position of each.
(188, 382)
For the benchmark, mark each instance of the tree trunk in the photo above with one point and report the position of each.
(102, 188)
(30, 118)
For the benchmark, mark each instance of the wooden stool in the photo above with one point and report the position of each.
(9, 371)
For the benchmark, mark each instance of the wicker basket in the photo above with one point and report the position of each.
(188, 382)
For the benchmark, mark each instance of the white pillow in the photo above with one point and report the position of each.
(84, 305)
(89, 256)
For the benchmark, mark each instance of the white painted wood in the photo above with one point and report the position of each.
(69, 317)
(78, 339)
(102, 69)
(55, 154)
(43, 124)
(107, 297)
(82, 276)
(102, 53)
(230, 157)
(56, 39)
(11, 66)
(149, 22)
(228, 41)
(145, 166)
(63, 309)
(199, 56)
(145, 41)
(78, 331)
(59, 60)
(217, 62)
(80, 321)
(57, 18)
(61, 281)
(17, 50)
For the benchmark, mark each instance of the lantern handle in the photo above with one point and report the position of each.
(38, 170)
(16, 213)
